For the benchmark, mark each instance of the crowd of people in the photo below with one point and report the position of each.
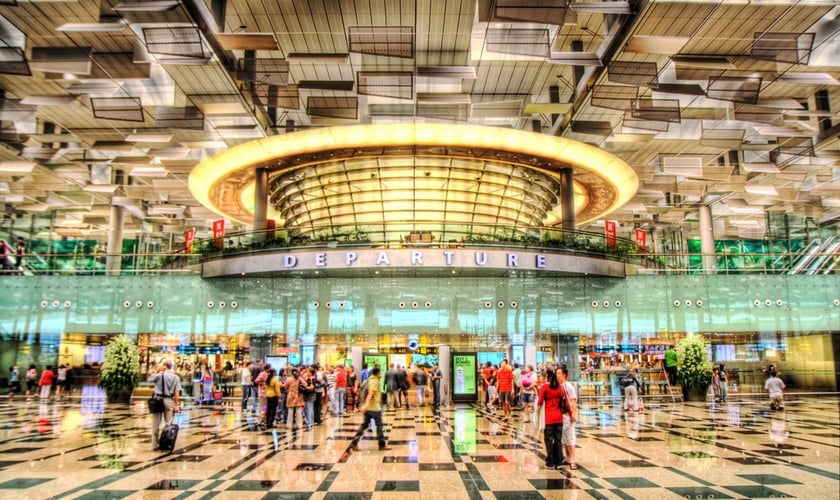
(301, 396)
(40, 384)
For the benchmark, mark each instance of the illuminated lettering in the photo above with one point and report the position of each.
(513, 260)
(448, 256)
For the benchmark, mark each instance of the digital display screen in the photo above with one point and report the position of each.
(381, 359)
(464, 374)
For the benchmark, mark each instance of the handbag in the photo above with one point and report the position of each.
(155, 404)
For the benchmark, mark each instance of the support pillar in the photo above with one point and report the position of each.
(114, 245)
(567, 199)
(445, 364)
(260, 204)
(707, 240)
(531, 355)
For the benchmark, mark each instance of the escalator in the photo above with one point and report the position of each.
(805, 257)
(828, 259)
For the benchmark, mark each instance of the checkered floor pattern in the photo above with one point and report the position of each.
(87, 449)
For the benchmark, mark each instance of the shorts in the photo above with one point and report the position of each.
(569, 434)
(504, 397)
(527, 397)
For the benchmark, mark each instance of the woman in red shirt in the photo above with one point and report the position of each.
(550, 395)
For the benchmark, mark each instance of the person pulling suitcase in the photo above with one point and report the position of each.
(167, 385)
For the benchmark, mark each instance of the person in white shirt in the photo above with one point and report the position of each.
(775, 386)
(247, 381)
(568, 436)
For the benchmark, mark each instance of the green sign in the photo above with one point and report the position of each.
(463, 374)
(381, 359)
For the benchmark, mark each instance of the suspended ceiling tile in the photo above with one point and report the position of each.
(13, 62)
(767, 168)
(666, 110)
(395, 41)
(633, 73)
(792, 48)
(273, 71)
(498, 109)
(520, 41)
(617, 97)
(287, 97)
(545, 108)
(247, 41)
(333, 107)
(117, 108)
(458, 72)
(602, 128)
(734, 89)
(573, 58)
(808, 78)
(722, 138)
(650, 44)
(75, 60)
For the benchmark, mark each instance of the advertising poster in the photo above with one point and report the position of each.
(381, 359)
(464, 374)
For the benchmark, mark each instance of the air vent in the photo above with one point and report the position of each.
(525, 42)
(734, 89)
(397, 84)
(618, 97)
(174, 41)
(792, 48)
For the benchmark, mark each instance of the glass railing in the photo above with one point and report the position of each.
(432, 235)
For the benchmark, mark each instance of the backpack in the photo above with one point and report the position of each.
(627, 381)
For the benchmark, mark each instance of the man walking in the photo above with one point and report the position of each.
(166, 385)
(372, 410)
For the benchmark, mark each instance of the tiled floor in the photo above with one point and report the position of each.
(86, 449)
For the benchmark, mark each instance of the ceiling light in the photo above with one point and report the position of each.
(154, 6)
(148, 137)
(148, 172)
(17, 167)
(92, 27)
(764, 189)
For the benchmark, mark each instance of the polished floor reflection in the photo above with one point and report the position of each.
(83, 448)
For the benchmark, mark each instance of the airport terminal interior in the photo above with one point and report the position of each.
(420, 182)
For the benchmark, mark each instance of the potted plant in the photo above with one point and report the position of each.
(694, 370)
(120, 369)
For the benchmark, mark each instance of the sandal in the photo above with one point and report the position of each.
(573, 466)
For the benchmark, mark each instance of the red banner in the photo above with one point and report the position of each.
(219, 232)
(641, 238)
(610, 228)
(189, 236)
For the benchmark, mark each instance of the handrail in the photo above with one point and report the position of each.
(547, 240)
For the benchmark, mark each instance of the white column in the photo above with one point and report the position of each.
(445, 363)
(531, 355)
(707, 240)
(113, 248)
(356, 356)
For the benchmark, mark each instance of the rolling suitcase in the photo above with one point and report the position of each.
(168, 436)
